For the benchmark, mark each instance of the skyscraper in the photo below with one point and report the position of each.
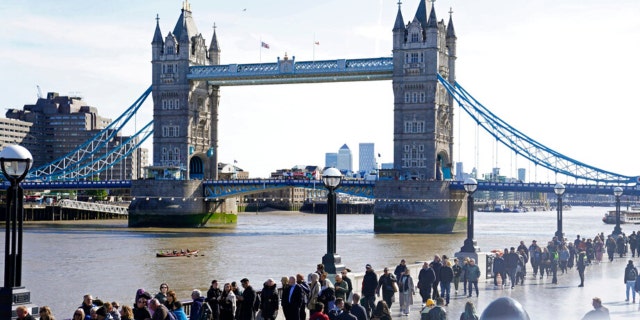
(345, 160)
(331, 160)
(366, 157)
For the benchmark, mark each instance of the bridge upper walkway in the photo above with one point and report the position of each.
(93, 206)
(290, 71)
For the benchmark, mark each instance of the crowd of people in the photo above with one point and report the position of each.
(316, 297)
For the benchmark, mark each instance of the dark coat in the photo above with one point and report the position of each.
(292, 301)
(446, 274)
(246, 309)
(436, 266)
(269, 301)
(212, 300)
(196, 308)
(498, 264)
(359, 311)
(369, 283)
(426, 277)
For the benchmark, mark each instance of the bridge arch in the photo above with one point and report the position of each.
(443, 166)
(196, 167)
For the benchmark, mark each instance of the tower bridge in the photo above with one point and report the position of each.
(186, 81)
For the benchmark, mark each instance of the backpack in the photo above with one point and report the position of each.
(632, 273)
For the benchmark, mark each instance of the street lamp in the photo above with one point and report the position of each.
(559, 190)
(331, 261)
(617, 191)
(15, 162)
(470, 186)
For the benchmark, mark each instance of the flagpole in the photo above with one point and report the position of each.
(314, 47)
(260, 60)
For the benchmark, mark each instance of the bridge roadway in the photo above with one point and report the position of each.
(230, 188)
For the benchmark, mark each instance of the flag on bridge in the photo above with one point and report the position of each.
(317, 43)
(264, 45)
(235, 161)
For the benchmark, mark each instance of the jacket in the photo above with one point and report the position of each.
(369, 283)
(446, 274)
(473, 273)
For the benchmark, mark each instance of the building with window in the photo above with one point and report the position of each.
(59, 124)
(367, 158)
(345, 159)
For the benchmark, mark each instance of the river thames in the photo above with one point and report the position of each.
(65, 260)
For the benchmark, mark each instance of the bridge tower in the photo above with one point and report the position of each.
(423, 113)
(185, 112)
(185, 137)
(422, 131)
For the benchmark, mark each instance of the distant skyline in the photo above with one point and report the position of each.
(563, 72)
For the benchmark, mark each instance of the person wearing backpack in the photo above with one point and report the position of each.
(630, 275)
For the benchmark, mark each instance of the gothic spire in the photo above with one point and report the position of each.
(451, 33)
(214, 41)
(421, 14)
(433, 21)
(399, 24)
(157, 35)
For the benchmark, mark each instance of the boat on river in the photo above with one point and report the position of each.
(626, 216)
(176, 253)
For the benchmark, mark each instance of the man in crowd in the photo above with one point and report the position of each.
(357, 310)
(369, 284)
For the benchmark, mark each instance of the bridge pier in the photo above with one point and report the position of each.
(418, 206)
(177, 204)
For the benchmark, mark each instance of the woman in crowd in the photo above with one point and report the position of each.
(407, 290)
(227, 303)
(45, 313)
(162, 295)
(469, 312)
(126, 313)
(314, 292)
(78, 314)
(446, 276)
(171, 300)
(140, 311)
(381, 312)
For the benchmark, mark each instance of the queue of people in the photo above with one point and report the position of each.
(316, 297)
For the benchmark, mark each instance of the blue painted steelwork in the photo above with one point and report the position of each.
(229, 188)
(289, 71)
(628, 190)
(87, 155)
(73, 185)
(531, 149)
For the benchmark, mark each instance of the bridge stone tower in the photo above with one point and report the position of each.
(185, 112)
(423, 129)
(185, 138)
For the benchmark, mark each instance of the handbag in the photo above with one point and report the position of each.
(395, 286)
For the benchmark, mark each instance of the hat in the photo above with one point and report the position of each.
(101, 312)
(367, 266)
(244, 280)
(139, 292)
(146, 295)
(430, 303)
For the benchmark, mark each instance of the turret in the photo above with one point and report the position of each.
(214, 48)
(451, 47)
(157, 43)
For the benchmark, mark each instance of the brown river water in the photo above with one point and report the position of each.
(65, 260)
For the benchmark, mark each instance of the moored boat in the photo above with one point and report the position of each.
(176, 253)
(626, 216)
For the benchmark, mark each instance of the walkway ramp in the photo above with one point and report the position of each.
(93, 206)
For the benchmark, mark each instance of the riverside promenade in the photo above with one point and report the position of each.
(541, 299)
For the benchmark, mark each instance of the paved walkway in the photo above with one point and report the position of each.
(543, 300)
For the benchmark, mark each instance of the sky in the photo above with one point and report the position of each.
(563, 72)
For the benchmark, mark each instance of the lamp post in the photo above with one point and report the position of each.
(15, 162)
(617, 191)
(470, 186)
(331, 261)
(559, 190)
